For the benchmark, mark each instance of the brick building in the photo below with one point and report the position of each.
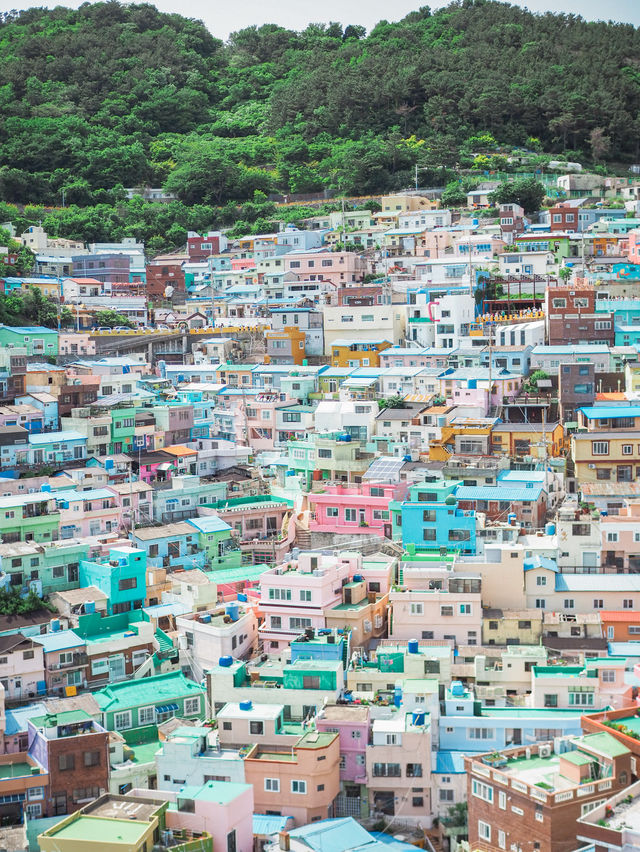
(571, 315)
(530, 798)
(74, 749)
(165, 271)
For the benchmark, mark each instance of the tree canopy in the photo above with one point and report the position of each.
(112, 95)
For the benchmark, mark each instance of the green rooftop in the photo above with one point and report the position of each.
(578, 758)
(16, 770)
(316, 739)
(68, 717)
(607, 744)
(102, 830)
(159, 689)
(237, 575)
(221, 792)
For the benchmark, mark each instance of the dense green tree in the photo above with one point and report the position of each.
(111, 319)
(528, 193)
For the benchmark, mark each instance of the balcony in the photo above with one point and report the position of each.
(78, 661)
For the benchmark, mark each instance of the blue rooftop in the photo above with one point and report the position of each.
(604, 412)
(337, 835)
(264, 824)
(209, 524)
(597, 583)
(17, 717)
(450, 762)
(29, 329)
(59, 641)
(497, 492)
(624, 649)
(540, 562)
(56, 437)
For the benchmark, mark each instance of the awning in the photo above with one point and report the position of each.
(166, 708)
(165, 466)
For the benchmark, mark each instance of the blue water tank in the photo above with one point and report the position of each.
(233, 610)
(205, 618)
(55, 625)
(89, 607)
(474, 222)
(418, 717)
(406, 458)
(457, 687)
(46, 488)
(357, 578)
(242, 597)
(246, 705)
(108, 465)
(472, 384)
(550, 529)
(512, 518)
(412, 646)
(397, 696)
(225, 662)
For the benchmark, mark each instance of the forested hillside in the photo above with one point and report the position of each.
(110, 95)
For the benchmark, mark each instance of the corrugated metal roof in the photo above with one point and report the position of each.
(264, 824)
(450, 762)
(496, 492)
(602, 412)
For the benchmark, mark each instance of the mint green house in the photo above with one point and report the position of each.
(215, 539)
(48, 568)
(29, 517)
(150, 700)
(123, 427)
(37, 340)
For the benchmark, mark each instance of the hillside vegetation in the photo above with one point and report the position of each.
(112, 95)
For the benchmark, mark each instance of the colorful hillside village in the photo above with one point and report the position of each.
(331, 541)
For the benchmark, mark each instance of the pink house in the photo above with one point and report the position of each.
(633, 251)
(133, 498)
(294, 595)
(260, 420)
(76, 344)
(338, 267)
(351, 722)
(222, 808)
(619, 542)
(85, 513)
(352, 509)
(21, 667)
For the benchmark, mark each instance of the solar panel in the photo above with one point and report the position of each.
(384, 468)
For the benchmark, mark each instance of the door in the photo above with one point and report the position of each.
(116, 668)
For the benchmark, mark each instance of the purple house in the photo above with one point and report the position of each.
(351, 722)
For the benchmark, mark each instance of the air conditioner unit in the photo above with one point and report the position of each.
(544, 751)
(592, 467)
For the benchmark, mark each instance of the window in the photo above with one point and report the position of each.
(627, 603)
(146, 715)
(387, 770)
(600, 448)
(445, 795)
(484, 831)
(502, 800)
(256, 728)
(502, 839)
(608, 676)
(416, 608)
(298, 787)
(465, 609)
(612, 536)
(524, 625)
(446, 610)
(305, 595)
(414, 770)
(569, 603)
(66, 762)
(627, 449)
(92, 758)
(27, 655)
(272, 785)
(581, 699)
(598, 603)
(299, 623)
(481, 790)
(332, 512)
(127, 583)
(551, 700)
(350, 515)
(324, 453)
(279, 594)
(122, 720)
(481, 733)
(540, 603)
(232, 845)
(541, 581)
(311, 681)
(429, 534)
(192, 706)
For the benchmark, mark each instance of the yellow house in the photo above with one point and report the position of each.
(609, 456)
(528, 439)
(632, 376)
(468, 437)
(357, 353)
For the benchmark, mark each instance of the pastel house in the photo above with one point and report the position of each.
(353, 509)
(221, 808)
(122, 578)
(351, 723)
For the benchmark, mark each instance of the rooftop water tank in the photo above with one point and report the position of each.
(457, 687)
(550, 529)
(418, 717)
(357, 578)
(412, 646)
(233, 609)
(225, 662)
(89, 607)
(246, 705)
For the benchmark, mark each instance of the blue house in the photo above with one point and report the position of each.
(430, 518)
(172, 546)
(47, 404)
(468, 726)
(122, 578)
(56, 447)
